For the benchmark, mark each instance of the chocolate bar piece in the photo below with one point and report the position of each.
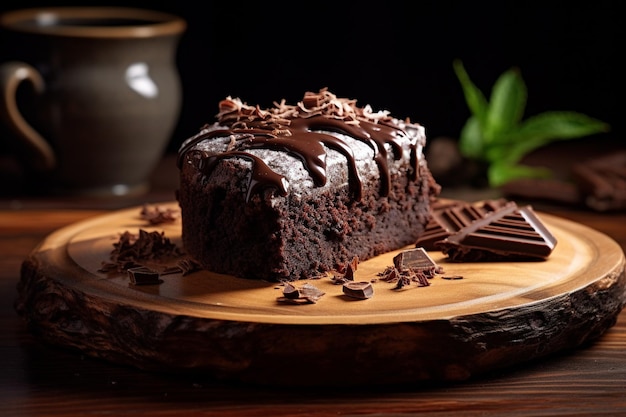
(415, 259)
(509, 233)
(452, 215)
(603, 181)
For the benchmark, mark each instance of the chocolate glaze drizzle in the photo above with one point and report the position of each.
(297, 130)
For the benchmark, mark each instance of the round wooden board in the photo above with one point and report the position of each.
(497, 315)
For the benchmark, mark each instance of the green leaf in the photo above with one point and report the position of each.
(496, 134)
(561, 125)
(475, 99)
(506, 105)
(471, 139)
(542, 129)
(501, 173)
(500, 152)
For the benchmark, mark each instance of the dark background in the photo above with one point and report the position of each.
(395, 56)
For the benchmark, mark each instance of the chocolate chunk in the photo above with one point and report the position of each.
(602, 180)
(508, 233)
(449, 216)
(414, 259)
(291, 291)
(144, 276)
(358, 289)
(306, 294)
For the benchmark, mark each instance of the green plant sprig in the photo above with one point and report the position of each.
(497, 135)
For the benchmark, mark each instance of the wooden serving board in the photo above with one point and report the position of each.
(499, 314)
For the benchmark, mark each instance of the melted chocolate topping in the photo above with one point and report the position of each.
(298, 131)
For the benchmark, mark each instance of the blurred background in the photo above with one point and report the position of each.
(393, 55)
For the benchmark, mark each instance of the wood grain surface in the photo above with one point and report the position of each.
(39, 379)
(498, 315)
(42, 380)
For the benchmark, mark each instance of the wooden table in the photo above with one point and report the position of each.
(36, 379)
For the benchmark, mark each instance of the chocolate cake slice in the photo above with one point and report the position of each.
(294, 191)
(509, 233)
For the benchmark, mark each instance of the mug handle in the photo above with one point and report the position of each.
(12, 74)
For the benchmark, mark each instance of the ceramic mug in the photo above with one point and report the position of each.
(92, 94)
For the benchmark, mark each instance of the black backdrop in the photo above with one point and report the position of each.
(395, 55)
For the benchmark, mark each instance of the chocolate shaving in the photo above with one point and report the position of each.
(421, 277)
(237, 114)
(345, 272)
(159, 214)
(390, 274)
(131, 249)
(402, 282)
(405, 278)
(185, 266)
(311, 292)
